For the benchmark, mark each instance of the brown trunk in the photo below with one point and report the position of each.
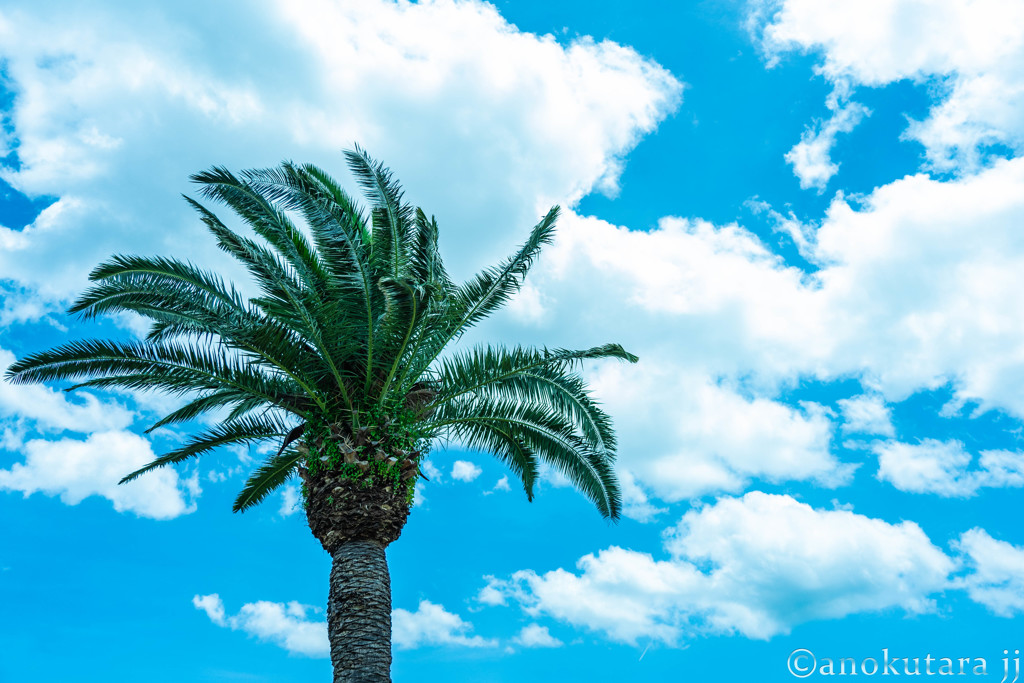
(359, 614)
(355, 520)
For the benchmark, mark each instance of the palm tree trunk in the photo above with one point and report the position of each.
(359, 614)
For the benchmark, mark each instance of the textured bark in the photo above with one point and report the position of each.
(356, 505)
(341, 510)
(359, 614)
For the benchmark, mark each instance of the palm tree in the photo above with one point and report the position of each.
(341, 362)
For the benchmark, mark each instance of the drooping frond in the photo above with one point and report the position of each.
(183, 300)
(542, 431)
(173, 368)
(501, 440)
(272, 474)
(541, 377)
(244, 430)
(163, 272)
(207, 403)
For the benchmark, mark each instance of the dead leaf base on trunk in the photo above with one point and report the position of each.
(341, 509)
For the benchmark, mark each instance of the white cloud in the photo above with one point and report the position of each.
(944, 468)
(419, 497)
(535, 635)
(477, 118)
(431, 624)
(284, 625)
(917, 283)
(973, 47)
(527, 305)
(502, 484)
(51, 410)
(291, 500)
(75, 470)
(212, 605)
(20, 305)
(431, 471)
(811, 157)
(463, 470)
(866, 414)
(757, 565)
(636, 503)
(289, 626)
(931, 466)
(492, 594)
(911, 293)
(996, 577)
(689, 436)
(769, 549)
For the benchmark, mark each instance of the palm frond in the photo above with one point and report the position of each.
(541, 377)
(544, 432)
(272, 474)
(390, 215)
(267, 220)
(493, 287)
(245, 430)
(173, 368)
(485, 293)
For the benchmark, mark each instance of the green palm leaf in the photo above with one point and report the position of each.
(345, 338)
(273, 473)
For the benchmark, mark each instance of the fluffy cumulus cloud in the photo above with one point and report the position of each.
(535, 635)
(463, 470)
(996, 572)
(54, 411)
(756, 565)
(917, 281)
(945, 468)
(431, 624)
(909, 292)
(75, 469)
(113, 109)
(969, 52)
(866, 414)
(290, 625)
(285, 625)
(637, 503)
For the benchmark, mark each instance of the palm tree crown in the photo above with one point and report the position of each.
(338, 360)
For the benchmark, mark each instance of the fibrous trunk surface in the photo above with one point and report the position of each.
(343, 510)
(355, 519)
(359, 614)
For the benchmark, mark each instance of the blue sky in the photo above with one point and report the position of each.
(804, 216)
